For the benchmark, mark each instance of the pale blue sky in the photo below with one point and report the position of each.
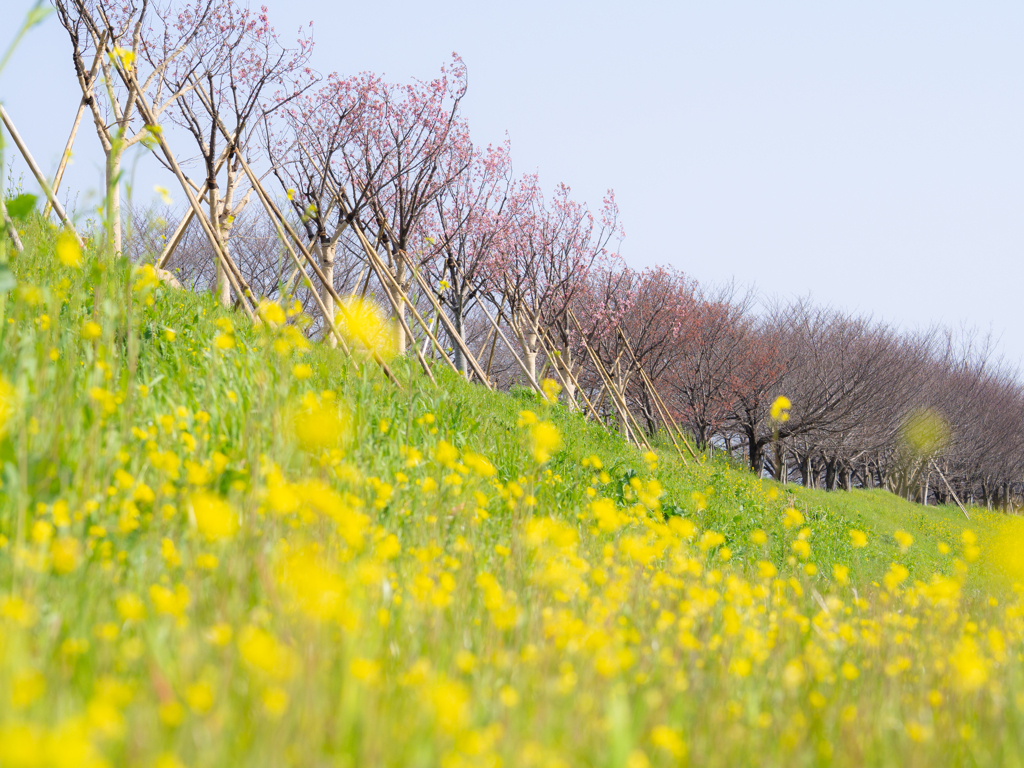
(869, 153)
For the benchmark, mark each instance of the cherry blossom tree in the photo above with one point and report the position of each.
(410, 146)
(309, 160)
(470, 216)
(237, 74)
(148, 38)
(543, 260)
(649, 309)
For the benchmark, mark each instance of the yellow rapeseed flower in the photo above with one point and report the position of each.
(272, 313)
(68, 251)
(551, 389)
(65, 553)
(904, 539)
(6, 404)
(365, 326)
(318, 425)
(214, 517)
(545, 439)
(780, 409)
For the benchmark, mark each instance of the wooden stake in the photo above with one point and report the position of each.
(86, 97)
(275, 212)
(658, 403)
(391, 286)
(9, 226)
(230, 268)
(179, 231)
(950, 489)
(545, 338)
(617, 399)
(40, 179)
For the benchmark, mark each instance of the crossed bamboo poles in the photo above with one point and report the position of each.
(396, 294)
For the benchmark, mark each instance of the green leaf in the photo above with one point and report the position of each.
(7, 281)
(21, 206)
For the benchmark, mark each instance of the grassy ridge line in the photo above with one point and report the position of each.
(196, 570)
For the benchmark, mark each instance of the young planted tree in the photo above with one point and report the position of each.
(470, 216)
(543, 260)
(148, 38)
(410, 146)
(235, 75)
(309, 161)
(662, 300)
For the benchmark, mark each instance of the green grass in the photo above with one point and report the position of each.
(224, 546)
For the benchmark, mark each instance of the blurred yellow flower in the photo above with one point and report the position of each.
(68, 251)
(904, 539)
(214, 517)
(780, 409)
(545, 440)
(65, 553)
(551, 389)
(6, 404)
(365, 326)
(272, 313)
(318, 425)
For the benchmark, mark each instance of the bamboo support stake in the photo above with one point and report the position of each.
(86, 98)
(379, 269)
(391, 286)
(9, 226)
(487, 340)
(548, 348)
(599, 400)
(299, 270)
(179, 232)
(426, 341)
(508, 345)
(278, 220)
(655, 397)
(950, 489)
(234, 276)
(275, 213)
(438, 309)
(397, 311)
(449, 328)
(616, 405)
(544, 338)
(230, 268)
(629, 421)
(40, 179)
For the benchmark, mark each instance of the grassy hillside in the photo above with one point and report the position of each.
(220, 545)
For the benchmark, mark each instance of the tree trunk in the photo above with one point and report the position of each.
(114, 198)
(401, 343)
(528, 341)
(755, 453)
(328, 251)
(222, 288)
(460, 359)
(830, 474)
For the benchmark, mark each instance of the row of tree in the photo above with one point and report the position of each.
(371, 167)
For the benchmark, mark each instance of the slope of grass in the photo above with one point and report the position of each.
(220, 545)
